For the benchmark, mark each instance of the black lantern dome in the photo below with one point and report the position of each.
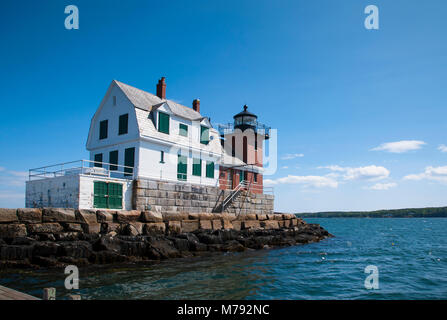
(244, 120)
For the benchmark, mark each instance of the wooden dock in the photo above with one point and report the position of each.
(10, 294)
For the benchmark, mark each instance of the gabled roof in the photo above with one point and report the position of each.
(147, 101)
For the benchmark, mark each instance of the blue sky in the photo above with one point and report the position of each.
(333, 90)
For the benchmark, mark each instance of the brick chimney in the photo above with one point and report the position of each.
(161, 88)
(196, 105)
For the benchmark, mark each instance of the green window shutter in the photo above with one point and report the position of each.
(181, 168)
(103, 127)
(123, 124)
(183, 130)
(99, 194)
(129, 160)
(242, 176)
(115, 195)
(163, 122)
(204, 135)
(210, 169)
(98, 160)
(113, 159)
(197, 167)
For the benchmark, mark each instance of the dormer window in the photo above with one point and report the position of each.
(183, 130)
(204, 135)
(163, 122)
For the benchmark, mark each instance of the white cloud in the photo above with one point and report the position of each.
(291, 156)
(11, 178)
(383, 186)
(430, 173)
(400, 146)
(284, 167)
(442, 148)
(360, 173)
(307, 181)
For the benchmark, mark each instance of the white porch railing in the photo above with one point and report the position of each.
(85, 167)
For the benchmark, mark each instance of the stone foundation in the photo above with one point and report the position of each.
(56, 237)
(180, 197)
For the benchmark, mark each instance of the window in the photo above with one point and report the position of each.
(113, 159)
(256, 141)
(98, 160)
(129, 160)
(181, 168)
(233, 146)
(163, 122)
(242, 176)
(103, 129)
(197, 167)
(123, 124)
(255, 177)
(162, 157)
(244, 152)
(114, 100)
(204, 135)
(210, 169)
(183, 130)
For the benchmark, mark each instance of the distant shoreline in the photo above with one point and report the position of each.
(440, 212)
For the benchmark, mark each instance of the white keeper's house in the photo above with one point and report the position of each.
(147, 150)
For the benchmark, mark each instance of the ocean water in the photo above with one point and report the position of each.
(410, 254)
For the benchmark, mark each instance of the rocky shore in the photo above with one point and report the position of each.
(51, 237)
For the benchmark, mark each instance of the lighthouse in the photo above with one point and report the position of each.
(242, 143)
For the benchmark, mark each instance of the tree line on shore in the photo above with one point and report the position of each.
(394, 213)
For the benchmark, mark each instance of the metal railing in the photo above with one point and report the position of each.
(84, 167)
(229, 128)
(234, 193)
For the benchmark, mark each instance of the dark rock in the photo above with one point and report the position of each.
(163, 249)
(58, 215)
(8, 215)
(72, 227)
(51, 227)
(107, 243)
(22, 241)
(29, 215)
(128, 216)
(15, 252)
(74, 261)
(181, 244)
(105, 216)
(47, 237)
(86, 216)
(75, 249)
(67, 236)
(12, 230)
(46, 261)
(46, 249)
(233, 246)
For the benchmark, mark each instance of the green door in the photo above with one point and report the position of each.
(181, 168)
(107, 195)
(115, 196)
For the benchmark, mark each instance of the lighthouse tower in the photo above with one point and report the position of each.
(242, 142)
